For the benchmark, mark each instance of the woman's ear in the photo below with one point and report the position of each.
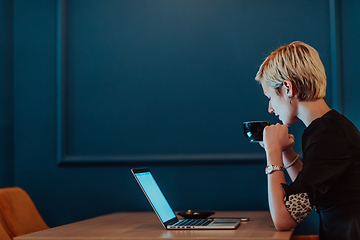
(288, 88)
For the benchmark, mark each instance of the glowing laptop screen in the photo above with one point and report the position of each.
(155, 196)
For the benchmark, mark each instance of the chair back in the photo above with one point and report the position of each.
(3, 234)
(19, 213)
(4, 227)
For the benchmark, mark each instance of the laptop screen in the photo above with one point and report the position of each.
(155, 196)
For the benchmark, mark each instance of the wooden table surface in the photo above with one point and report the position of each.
(146, 226)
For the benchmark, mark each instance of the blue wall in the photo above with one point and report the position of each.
(6, 95)
(99, 87)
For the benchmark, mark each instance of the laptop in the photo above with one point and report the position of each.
(165, 213)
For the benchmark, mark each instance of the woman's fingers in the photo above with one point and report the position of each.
(278, 137)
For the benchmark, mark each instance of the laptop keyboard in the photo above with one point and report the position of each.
(194, 222)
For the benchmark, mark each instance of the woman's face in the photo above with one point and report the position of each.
(280, 104)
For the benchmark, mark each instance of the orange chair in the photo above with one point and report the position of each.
(3, 234)
(305, 237)
(19, 215)
(4, 227)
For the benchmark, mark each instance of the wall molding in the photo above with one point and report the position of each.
(163, 158)
(60, 77)
(63, 158)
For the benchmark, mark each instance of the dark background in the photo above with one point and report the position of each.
(90, 89)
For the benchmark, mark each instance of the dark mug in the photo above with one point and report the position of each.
(254, 130)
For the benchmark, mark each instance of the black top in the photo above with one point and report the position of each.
(330, 177)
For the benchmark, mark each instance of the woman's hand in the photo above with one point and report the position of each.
(277, 138)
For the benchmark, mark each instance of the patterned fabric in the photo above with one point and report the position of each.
(298, 205)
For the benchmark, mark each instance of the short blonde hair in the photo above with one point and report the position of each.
(299, 63)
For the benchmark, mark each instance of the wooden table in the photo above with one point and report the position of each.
(146, 226)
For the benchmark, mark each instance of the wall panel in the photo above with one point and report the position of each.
(350, 30)
(169, 81)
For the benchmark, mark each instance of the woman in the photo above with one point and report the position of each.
(294, 80)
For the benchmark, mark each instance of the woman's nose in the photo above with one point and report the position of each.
(270, 109)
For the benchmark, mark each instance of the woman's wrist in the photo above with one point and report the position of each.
(293, 162)
(274, 157)
(288, 156)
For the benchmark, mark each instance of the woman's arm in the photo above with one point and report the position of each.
(276, 140)
(280, 215)
(289, 156)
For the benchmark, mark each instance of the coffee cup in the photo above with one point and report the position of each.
(254, 130)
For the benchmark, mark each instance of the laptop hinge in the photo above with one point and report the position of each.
(171, 221)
